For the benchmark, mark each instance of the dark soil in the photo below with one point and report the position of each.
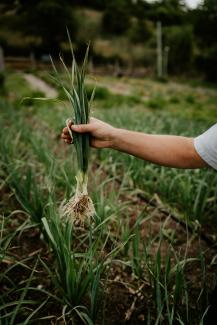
(126, 299)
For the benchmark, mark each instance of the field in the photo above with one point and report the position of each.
(149, 255)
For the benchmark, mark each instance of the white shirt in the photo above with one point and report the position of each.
(206, 146)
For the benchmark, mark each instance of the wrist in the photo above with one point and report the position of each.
(115, 138)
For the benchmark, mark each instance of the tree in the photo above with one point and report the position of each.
(169, 12)
(96, 4)
(205, 29)
(116, 18)
(205, 26)
(207, 63)
(46, 19)
(180, 42)
(140, 31)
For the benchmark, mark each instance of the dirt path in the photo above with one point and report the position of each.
(145, 88)
(38, 84)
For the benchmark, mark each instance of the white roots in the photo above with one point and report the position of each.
(80, 207)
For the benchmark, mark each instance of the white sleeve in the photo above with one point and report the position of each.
(206, 146)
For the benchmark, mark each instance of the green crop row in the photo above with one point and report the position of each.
(72, 269)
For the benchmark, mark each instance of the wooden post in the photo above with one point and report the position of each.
(2, 63)
(159, 51)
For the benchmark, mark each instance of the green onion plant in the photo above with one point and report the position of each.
(80, 207)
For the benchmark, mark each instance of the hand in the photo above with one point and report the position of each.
(102, 134)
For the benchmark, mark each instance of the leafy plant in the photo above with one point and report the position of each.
(80, 206)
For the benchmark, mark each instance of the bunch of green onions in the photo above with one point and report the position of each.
(80, 206)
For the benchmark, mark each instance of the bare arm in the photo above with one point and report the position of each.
(166, 150)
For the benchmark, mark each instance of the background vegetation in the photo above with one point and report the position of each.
(122, 31)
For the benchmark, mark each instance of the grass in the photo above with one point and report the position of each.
(131, 253)
(187, 190)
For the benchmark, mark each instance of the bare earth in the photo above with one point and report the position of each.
(38, 84)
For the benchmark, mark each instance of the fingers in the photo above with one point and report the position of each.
(68, 141)
(66, 138)
(82, 128)
(65, 129)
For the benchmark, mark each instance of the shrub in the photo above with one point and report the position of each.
(2, 80)
(157, 102)
(190, 99)
(140, 31)
(180, 42)
(207, 63)
(31, 100)
(3, 90)
(101, 93)
(174, 99)
(116, 19)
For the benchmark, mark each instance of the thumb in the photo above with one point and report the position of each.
(81, 128)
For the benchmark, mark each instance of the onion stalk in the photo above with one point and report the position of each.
(80, 206)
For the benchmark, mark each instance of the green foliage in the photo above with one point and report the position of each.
(205, 29)
(96, 4)
(207, 63)
(76, 271)
(109, 99)
(2, 83)
(205, 26)
(140, 31)
(43, 19)
(180, 43)
(27, 26)
(174, 99)
(157, 102)
(2, 80)
(169, 12)
(75, 268)
(116, 18)
(190, 99)
(30, 100)
(75, 92)
(101, 93)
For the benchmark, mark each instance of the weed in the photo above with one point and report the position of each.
(157, 102)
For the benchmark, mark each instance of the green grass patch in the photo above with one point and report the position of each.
(157, 102)
(38, 171)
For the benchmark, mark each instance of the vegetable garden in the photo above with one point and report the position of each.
(148, 255)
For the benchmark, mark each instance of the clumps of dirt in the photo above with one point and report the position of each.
(79, 209)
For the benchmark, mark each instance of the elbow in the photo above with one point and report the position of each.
(191, 159)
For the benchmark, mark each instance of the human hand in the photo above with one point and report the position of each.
(102, 134)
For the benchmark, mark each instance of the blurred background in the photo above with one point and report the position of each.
(128, 37)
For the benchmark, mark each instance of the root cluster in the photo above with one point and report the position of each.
(79, 208)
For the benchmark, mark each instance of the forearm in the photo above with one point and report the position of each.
(166, 150)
